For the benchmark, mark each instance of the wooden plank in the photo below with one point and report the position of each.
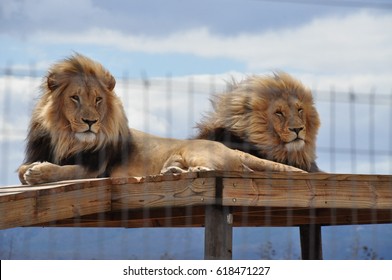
(24, 191)
(191, 216)
(242, 217)
(282, 217)
(43, 204)
(320, 176)
(184, 192)
(280, 199)
(218, 233)
(155, 178)
(307, 193)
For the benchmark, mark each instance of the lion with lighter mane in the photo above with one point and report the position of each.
(79, 130)
(271, 117)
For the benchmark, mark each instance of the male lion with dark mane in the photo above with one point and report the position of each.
(79, 130)
(271, 117)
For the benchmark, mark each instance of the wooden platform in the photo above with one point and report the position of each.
(254, 199)
(217, 201)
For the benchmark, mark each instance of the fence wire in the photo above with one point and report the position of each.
(355, 137)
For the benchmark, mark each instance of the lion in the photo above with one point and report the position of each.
(79, 130)
(270, 117)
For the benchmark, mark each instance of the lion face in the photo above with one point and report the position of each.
(77, 98)
(280, 119)
(288, 121)
(84, 108)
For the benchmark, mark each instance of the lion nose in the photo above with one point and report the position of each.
(89, 122)
(296, 129)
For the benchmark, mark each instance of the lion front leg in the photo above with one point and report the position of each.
(257, 164)
(46, 172)
(43, 172)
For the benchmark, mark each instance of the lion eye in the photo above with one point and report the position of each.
(98, 100)
(279, 113)
(75, 98)
(300, 111)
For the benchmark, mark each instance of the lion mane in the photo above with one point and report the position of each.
(271, 117)
(62, 127)
(79, 130)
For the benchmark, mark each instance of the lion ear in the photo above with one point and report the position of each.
(111, 82)
(52, 82)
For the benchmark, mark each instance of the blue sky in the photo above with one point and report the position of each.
(345, 46)
(325, 43)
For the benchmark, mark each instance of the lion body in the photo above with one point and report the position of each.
(79, 130)
(269, 117)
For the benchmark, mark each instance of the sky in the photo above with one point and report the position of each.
(174, 54)
(344, 45)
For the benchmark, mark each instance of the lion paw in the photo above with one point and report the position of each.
(198, 169)
(172, 170)
(177, 170)
(40, 172)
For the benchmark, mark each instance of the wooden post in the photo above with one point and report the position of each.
(311, 245)
(218, 242)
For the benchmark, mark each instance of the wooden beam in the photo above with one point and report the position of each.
(298, 176)
(194, 216)
(218, 234)
(307, 193)
(257, 199)
(25, 206)
(280, 216)
(169, 193)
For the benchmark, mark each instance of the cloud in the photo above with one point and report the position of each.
(335, 44)
(21, 17)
